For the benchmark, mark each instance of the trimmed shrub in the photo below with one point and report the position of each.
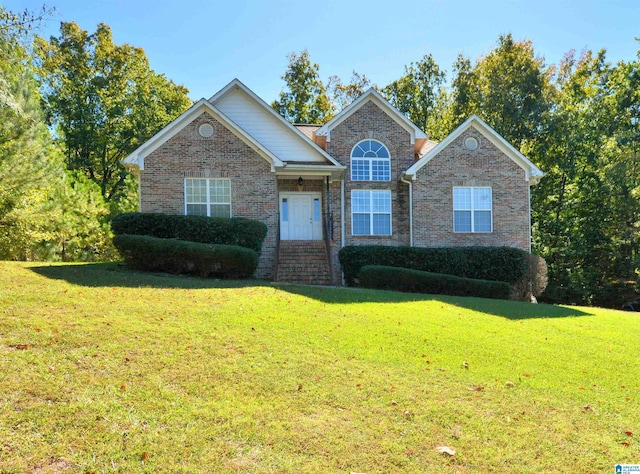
(484, 263)
(154, 254)
(416, 281)
(209, 230)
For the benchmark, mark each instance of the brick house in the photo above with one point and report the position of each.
(368, 176)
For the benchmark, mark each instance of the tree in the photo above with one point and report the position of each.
(104, 101)
(509, 88)
(28, 165)
(572, 121)
(623, 169)
(78, 227)
(306, 99)
(464, 90)
(19, 25)
(343, 94)
(586, 209)
(416, 94)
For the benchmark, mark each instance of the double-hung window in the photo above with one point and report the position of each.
(371, 212)
(472, 209)
(370, 161)
(208, 197)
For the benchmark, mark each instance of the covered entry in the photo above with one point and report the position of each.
(300, 216)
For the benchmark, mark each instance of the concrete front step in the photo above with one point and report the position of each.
(303, 261)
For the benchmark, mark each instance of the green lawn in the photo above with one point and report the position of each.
(107, 370)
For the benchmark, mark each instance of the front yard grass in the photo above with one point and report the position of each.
(107, 370)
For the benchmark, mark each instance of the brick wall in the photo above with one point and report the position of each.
(254, 188)
(223, 155)
(458, 166)
(371, 122)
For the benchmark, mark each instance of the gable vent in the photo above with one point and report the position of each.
(471, 144)
(205, 130)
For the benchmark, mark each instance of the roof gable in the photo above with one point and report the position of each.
(532, 172)
(267, 126)
(374, 96)
(136, 158)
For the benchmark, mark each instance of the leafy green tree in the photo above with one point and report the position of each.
(46, 213)
(568, 153)
(576, 122)
(586, 209)
(509, 88)
(418, 92)
(305, 99)
(104, 101)
(343, 94)
(464, 93)
(621, 101)
(28, 165)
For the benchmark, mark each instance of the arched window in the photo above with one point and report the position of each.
(370, 161)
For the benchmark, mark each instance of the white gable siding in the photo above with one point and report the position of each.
(286, 144)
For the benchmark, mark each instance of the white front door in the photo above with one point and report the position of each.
(300, 216)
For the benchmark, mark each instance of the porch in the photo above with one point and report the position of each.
(305, 228)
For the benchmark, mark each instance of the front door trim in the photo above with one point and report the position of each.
(300, 215)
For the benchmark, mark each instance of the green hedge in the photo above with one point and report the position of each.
(484, 263)
(178, 256)
(415, 281)
(210, 230)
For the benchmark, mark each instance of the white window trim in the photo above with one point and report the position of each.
(371, 213)
(209, 202)
(370, 160)
(472, 210)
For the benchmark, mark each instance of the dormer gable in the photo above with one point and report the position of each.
(418, 137)
(531, 172)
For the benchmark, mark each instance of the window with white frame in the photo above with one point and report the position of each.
(370, 161)
(208, 197)
(371, 212)
(472, 209)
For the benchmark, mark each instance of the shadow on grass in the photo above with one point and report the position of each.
(506, 309)
(117, 275)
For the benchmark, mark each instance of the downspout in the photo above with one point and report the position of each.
(530, 226)
(411, 209)
(328, 216)
(138, 175)
(328, 229)
(342, 226)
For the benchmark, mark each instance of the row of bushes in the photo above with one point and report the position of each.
(229, 248)
(181, 257)
(526, 273)
(416, 281)
(486, 263)
(211, 230)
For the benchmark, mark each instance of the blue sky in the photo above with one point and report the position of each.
(203, 44)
